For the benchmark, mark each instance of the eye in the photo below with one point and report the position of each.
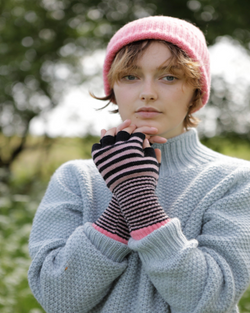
(130, 77)
(169, 78)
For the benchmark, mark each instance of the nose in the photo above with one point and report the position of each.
(148, 92)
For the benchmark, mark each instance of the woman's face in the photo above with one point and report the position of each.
(150, 96)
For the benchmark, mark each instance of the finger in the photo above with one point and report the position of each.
(111, 132)
(125, 134)
(149, 152)
(103, 132)
(146, 130)
(96, 146)
(157, 139)
(123, 125)
(146, 143)
(109, 138)
(158, 155)
(130, 129)
(122, 136)
(139, 137)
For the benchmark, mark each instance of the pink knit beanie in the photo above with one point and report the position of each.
(179, 32)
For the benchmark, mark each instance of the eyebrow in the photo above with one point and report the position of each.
(163, 68)
(136, 67)
(159, 68)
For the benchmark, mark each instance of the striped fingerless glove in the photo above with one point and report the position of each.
(112, 223)
(131, 173)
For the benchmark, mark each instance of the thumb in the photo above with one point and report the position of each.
(158, 155)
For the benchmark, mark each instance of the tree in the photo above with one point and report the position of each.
(43, 41)
(214, 17)
(228, 109)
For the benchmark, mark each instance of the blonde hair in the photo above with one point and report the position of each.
(126, 58)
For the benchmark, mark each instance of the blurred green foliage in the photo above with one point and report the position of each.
(21, 190)
(18, 203)
(232, 145)
(20, 194)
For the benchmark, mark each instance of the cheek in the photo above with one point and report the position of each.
(188, 93)
(124, 101)
(120, 95)
(181, 100)
(123, 108)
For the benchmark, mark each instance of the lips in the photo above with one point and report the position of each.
(147, 113)
(147, 109)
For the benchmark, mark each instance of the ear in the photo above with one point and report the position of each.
(194, 109)
(195, 105)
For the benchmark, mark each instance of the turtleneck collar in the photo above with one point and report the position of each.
(182, 152)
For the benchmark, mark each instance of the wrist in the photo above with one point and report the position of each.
(140, 206)
(143, 232)
(110, 234)
(135, 188)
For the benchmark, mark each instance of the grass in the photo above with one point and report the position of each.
(19, 200)
(234, 147)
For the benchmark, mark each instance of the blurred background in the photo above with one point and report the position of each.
(51, 55)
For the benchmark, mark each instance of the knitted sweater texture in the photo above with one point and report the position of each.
(198, 262)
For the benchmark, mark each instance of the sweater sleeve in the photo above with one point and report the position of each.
(210, 272)
(73, 265)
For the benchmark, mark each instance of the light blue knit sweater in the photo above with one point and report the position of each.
(198, 262)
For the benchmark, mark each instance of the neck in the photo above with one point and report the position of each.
(182, 152)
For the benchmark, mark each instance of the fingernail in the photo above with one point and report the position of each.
(163, 139)
(153, 128)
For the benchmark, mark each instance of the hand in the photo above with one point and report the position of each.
(117, 157)
(131, 172)
(112, 223)
(148, 131)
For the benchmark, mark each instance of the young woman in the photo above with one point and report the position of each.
(141, 228)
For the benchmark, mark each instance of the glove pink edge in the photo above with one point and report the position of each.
(110, 235)
(143, 232)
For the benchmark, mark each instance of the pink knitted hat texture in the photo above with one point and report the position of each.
(179, 32)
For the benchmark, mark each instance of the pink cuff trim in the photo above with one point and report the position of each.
(110, 235)
(143, 232)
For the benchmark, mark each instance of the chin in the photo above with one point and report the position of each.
(149, 123)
